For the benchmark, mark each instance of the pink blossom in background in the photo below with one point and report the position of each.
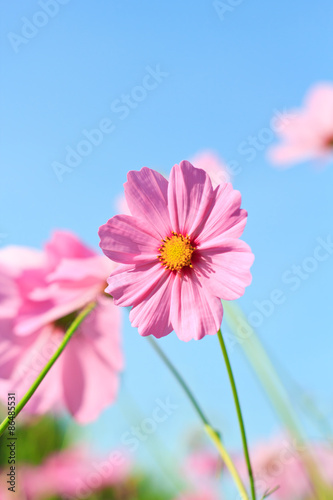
(203, 468)
(208, 161)
(179, 252)
(278, 462)
(306, 133)
(203, 465)
(44, 291)
(73, 474)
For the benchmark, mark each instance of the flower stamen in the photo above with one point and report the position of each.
(176, 252)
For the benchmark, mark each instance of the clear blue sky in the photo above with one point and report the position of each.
(218, 82)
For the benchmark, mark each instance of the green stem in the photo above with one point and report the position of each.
(238, 411)
(214, 436)
(179, 379)
(71, 330)
(277, 394)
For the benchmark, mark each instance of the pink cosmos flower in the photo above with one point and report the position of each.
(203, 468)
(277, 463)
(73, 474)
(306, 133)
(203, 465)
(40, 294)
(179, 252)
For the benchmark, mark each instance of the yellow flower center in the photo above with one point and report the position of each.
(176, 252)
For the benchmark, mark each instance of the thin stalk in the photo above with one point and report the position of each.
(277, 394)
(179, 378)
(213, 434)
(239, 413)
(71, 330)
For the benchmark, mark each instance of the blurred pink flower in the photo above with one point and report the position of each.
(207, 161)
(72, 474)
(203, 465)
(40, 294)
(306, 133)
(211, 163)
(179, 252)
(202, 468)
(278, 463)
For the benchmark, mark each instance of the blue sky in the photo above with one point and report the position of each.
(219, 80)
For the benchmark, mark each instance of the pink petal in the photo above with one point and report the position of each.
(64, 244)
(73, 379)
(190, 197)
(102, 328)
(293, 126)
(203, 464)
(77, 380)
(224, 269)
(152, 314)
(127, 240)
(226, 218)
(288, 153)
(129, 285)
(306, 132)
(89, 384)
(33, 357)
(194, 312)
(10, 299)
(94, 269)
(15, 259)
(91, 363)
(62, 301)
(319, 103)
(48, 397)
(146, 196)
(12, 348)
